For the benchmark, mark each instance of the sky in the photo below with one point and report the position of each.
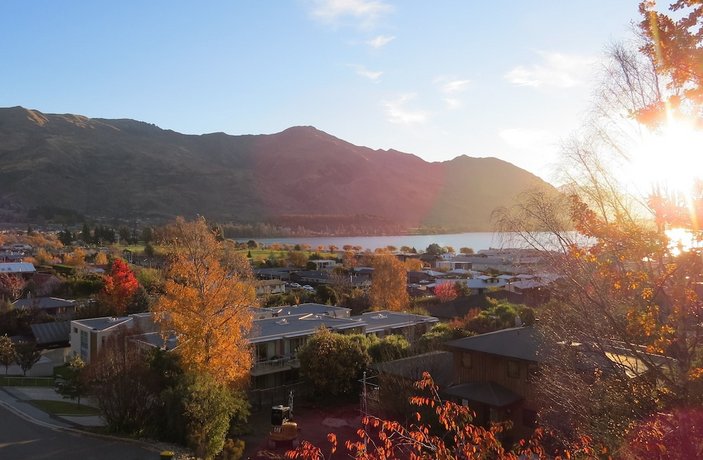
(506, 79)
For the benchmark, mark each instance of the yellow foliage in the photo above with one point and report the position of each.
(101, 258)
(206, 306)
(389, 283)
(75, 258)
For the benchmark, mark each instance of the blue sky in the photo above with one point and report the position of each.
(509, 79)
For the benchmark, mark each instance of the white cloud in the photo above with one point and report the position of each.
(556, 70)
(366, 73)
(531, 140)
(452, 87)
(380, 41)
(398, 112)
(367, 11)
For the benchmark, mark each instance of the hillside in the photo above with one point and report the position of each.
(129, 169)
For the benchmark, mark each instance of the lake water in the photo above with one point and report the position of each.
(474, 240)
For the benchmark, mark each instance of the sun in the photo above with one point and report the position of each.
(668, 158)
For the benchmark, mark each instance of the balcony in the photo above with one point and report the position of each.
(272, 366)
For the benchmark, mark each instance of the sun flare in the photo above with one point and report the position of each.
(669, 158)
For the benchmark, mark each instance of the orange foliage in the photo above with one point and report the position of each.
(386, 439)
(389, 283)
(205, 305)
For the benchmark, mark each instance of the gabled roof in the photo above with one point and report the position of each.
(517, 342)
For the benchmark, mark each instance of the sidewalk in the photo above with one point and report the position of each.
(17, 399)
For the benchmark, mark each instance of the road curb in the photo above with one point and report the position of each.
(77, 431)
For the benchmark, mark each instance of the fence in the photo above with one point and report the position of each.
(263, 399)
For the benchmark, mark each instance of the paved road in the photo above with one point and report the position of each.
(21, 440)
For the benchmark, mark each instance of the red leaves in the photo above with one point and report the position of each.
(120, 286)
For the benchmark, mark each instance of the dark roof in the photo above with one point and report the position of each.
(517, 342)
(304, 308)
(267, 329)
(440, 365)
(485, 393)
(51, 333)
(43, 303)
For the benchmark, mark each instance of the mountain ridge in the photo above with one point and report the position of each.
(124, 168)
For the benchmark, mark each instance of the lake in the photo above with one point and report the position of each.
(474, 240)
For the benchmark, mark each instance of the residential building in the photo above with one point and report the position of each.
(89, 335)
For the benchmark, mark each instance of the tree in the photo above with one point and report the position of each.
(206, 306)
(208, 408)
(389, 348)
(26, 355)
(74, 383)
(413, 265)
(445, 292)
(7, 351)
(674, 46)
(101, 259)
(75, 258)
(297, 259)
(434, 249)
(465, 250)
(628, 302)
(120, 286)
(455, 437)
(333, 363)
(389, 284)
(10, 286)
(123, 384)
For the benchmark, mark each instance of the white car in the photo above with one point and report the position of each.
(295, 285)
(307, 287)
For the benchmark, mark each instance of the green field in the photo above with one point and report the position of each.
(64, 407)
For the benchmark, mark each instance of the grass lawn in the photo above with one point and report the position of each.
(64, 407)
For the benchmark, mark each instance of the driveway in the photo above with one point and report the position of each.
(20, 440)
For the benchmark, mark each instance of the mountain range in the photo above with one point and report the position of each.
(128, 169)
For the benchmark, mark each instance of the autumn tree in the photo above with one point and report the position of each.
(11, 286)
(7, 351)
(101, 259)
(445, 292)
(75, 258)
(389, 283)
(627, 314)
(120, 286)
(205, 305)
(454, 437)
(413, 265)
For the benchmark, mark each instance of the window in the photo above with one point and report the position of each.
(466, 360)
(513, 369)
(75, 330)
(529, 418)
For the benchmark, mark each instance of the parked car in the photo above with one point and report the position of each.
(295, 285)
(307, 287)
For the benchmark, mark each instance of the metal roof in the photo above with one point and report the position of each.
(51, 333)
(264, 330)
(43, 303)
(385, 319)
(100, 324)
(17, 267)
(485, 393)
